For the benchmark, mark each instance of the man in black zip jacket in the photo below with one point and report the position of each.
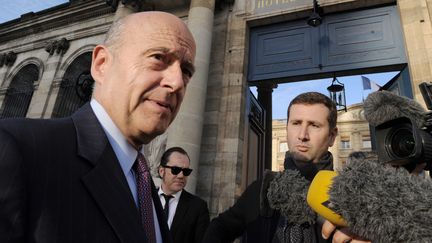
(274, 209)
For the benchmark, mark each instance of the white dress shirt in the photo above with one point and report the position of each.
(173, 202)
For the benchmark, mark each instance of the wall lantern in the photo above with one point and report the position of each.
(337, 94)
(315, 19)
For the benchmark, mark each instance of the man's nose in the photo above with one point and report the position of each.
(180, 175)
(173, 77)
(303, 133)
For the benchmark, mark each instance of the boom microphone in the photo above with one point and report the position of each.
(382, 106)
(380, 203)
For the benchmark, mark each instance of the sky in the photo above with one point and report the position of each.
(13, 9)
(354, 92)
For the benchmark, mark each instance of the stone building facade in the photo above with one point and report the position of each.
(354, 134)
(279, 144)
(44, 53)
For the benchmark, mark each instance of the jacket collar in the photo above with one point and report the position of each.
(308, 169)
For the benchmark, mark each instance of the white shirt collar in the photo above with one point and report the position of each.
(175, 195)
(125, 152)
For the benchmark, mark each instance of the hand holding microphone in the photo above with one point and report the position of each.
(340, 235)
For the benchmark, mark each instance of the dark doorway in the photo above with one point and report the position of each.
(345, 44)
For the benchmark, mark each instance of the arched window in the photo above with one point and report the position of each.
(20, 92)
(76, 87)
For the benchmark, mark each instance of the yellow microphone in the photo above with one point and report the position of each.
(318, 197)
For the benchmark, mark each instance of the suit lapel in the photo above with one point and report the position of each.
(181, 210)
(106, 182)
(108, 187)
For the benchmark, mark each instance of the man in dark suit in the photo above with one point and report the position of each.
(187, 214)
(83, 178)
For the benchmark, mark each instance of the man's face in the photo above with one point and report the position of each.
(145, 77)
(308, 133)
(173, 183)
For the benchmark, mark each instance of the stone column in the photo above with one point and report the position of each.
(3, 88)
(356, 140)
(186, 130)
(3, 74)
(41, 95)
(6, 64)
(417, 28)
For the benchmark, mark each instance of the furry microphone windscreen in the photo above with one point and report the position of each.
(382, 203)
(287, 193)
(383, 106)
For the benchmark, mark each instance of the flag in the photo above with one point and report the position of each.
(375, 86)
(369, 84)
(366, 83)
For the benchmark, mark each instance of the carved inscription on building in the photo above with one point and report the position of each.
(263, 6)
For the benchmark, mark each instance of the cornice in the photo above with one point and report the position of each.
(59, 16)
(42, 42)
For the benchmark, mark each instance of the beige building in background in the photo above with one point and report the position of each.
(279, 144)
(353, 135)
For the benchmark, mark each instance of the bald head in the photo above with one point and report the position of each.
(145, 21)
(141, 73)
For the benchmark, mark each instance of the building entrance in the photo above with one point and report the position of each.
(348, 43)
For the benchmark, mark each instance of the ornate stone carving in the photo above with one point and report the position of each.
(59, 46)
(7, 59)
(10, 58)
(84, 86)
(62, 46)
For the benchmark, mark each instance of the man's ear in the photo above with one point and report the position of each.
(100, 59)
(161, 172)
(333, 135)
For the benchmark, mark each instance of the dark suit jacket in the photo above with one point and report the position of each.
(245, 217)
(60, 181)
(250, 217)
(190, 219)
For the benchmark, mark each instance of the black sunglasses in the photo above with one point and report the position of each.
(175, 170)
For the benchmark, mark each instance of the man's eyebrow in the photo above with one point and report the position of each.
(157, 49)
(187, 63)
(315, 122)
(294, 120)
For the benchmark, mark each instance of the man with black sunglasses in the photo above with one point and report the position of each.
(187, 215)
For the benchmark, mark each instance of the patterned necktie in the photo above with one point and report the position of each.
(166, 208)
(145, 202)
